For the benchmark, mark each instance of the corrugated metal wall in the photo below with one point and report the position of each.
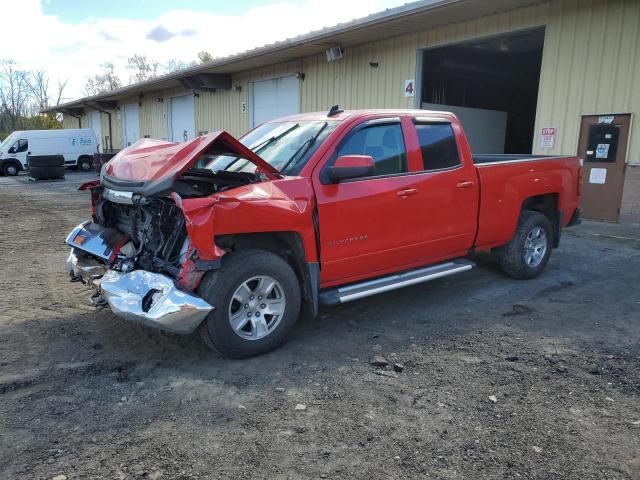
(591, 64)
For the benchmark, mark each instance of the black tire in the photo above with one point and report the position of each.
(218, 288)
(43, 173)
(10, 169)
(85, 164)
(46, 161)
(511, 257)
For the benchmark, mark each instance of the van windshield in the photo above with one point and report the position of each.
(6, 142)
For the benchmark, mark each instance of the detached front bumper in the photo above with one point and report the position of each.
(148, 298)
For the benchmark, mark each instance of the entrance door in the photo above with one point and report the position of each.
(603, 146)
(368, 224)
(131, 124)
(96, 126)
(183, 119)
(275, 98)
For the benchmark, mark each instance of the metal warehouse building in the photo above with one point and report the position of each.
(525, 76)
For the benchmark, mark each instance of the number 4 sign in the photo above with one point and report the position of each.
(409, 88)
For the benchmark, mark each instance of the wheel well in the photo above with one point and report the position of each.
(10, 161)
(82, 157)
(546, 204)
(287, 245)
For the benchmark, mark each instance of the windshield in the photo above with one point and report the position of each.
(287, 146)
(6, 143)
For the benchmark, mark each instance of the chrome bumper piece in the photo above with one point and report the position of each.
(151, 299)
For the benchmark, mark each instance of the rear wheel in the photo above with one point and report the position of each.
(85, 164)
(10, 168)
(527, 253)
(256, 296)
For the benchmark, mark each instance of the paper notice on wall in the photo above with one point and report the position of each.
(548, 138)
(598, 175)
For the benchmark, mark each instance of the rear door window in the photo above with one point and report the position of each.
(384, 143)
(438, 145)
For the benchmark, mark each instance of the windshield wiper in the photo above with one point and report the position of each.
(262, 145)
(308, 143)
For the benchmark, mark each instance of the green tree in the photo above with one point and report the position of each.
(204, 56)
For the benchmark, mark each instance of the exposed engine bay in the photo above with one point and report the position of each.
(202, 182)
(156, 226)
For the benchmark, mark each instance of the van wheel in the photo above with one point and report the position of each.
(85, 164)
(528, 252)
(256, 296)
(10, 169)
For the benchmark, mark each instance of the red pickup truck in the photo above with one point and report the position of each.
(234, 238)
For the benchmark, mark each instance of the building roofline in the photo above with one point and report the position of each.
(307, 38)
(407, 18)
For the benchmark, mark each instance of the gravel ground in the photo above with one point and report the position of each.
(496, 378)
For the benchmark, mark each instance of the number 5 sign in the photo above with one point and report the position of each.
(409, 87)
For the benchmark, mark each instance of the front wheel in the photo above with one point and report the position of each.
(10, 169)
(256, 296)
(528, 252)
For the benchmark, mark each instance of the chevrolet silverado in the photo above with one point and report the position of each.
(234, 238)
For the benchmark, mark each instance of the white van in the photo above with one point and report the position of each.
(76, 145)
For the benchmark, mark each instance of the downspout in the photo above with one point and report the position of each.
(110, 133)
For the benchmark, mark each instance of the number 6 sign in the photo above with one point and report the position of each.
(409, 88)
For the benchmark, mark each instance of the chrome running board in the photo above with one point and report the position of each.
(356, 291)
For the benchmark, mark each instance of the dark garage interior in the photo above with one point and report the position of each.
(499, 76)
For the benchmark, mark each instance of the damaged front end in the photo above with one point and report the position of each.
(151, 240)
(105, 259)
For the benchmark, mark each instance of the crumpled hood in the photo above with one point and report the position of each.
(153, 160)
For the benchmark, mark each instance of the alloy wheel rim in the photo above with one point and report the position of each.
(535, 247)
(11, 170)
(257, 307)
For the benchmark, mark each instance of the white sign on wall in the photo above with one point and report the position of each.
(598, 175)
(409, 88)
(602, 151)
(548, 138)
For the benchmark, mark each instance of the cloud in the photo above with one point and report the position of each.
(160, 34)
(108, 37)
(77, 50)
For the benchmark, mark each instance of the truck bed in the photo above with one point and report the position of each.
(507, 180)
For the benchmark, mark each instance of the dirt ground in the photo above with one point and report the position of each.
(500, 378)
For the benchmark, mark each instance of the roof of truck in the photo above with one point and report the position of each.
(348, 114)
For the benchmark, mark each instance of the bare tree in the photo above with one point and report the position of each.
(14, 93)
(38, 83)
(142, 67)
(103, 82)
(60, 91)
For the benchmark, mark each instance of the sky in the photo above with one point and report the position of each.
(71, 39)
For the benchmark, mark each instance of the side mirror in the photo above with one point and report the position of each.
(352, 166)
(12, 150)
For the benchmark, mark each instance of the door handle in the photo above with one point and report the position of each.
(407, 192)
(467, 184)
